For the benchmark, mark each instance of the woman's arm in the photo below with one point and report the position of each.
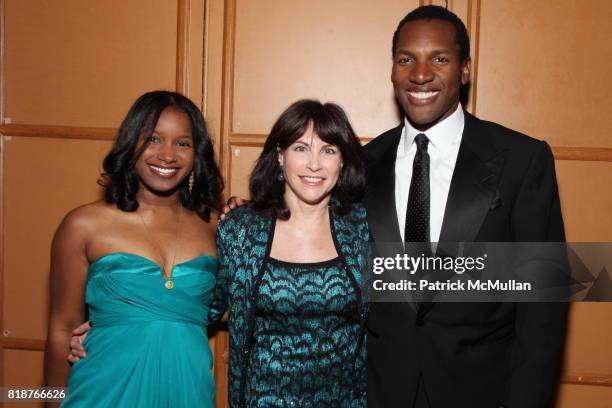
(221, 294)
(69, 265)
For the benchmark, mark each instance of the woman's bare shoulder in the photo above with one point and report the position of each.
(87, 218)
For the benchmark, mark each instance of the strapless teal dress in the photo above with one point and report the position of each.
(148, 345)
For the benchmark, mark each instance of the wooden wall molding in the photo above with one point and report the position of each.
(205, 52)
(588, 379)
(221, 344)
(2, 36)
(473, 27)
(10, 343)
(603, 154)
(59, 132)
(2, 103)
(227, 89)
(182, 47)
(249, 140)
(258, 140)
(2, 258)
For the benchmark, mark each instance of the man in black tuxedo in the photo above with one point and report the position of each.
(444, 175)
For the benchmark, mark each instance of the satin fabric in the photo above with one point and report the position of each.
(148, 345)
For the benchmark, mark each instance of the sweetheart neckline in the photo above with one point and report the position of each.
(149, 260)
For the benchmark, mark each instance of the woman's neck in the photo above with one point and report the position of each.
(147, 198)
(302, 212)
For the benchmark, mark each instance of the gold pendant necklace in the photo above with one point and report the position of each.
(168, 282)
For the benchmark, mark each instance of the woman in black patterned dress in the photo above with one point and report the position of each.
(292, 268)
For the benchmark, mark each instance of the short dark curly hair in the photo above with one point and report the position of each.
(331, 124)
(437, 13)
(119, 179)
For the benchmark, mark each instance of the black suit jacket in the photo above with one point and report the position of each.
(474, 355)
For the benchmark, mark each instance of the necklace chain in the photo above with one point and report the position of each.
(169, 283)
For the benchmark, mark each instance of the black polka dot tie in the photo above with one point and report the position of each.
(417, 212)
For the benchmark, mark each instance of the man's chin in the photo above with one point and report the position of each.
(422, 121)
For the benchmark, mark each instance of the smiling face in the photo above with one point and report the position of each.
(311, 169)
(168, 157)
(427, 72)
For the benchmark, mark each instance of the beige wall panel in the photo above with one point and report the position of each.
(82, 63)
(586, 195)
(24, 405)
(584, 396)
(585, 199)
(589, 340)
(23, 369)
(330, 50)
(43, 179)
(543, 68)
(243, 160)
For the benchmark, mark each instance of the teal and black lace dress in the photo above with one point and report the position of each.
(305, 329)
(296, 331)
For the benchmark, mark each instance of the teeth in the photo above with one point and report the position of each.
(163, 170)
(423, 95)
(312, 179)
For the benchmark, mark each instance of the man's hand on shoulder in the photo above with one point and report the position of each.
(232, 203)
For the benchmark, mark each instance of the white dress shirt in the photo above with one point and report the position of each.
(444, 140)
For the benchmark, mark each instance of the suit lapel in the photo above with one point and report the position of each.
(474, 184)
(380, 196)
(473, 191)
(380, 200)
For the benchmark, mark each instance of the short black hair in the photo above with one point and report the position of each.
(119, 179)
(331, 124)
(437, 13)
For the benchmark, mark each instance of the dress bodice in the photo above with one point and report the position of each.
(305, 334)
(125, 287)
(148, 346)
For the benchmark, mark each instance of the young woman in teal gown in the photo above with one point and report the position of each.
(292, 267)
(141, 265)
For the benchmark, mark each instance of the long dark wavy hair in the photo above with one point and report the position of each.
(119, 179)
(331, 124)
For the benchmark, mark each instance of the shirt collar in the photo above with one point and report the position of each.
(442, 135)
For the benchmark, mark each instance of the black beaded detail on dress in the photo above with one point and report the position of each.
(306, 328)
